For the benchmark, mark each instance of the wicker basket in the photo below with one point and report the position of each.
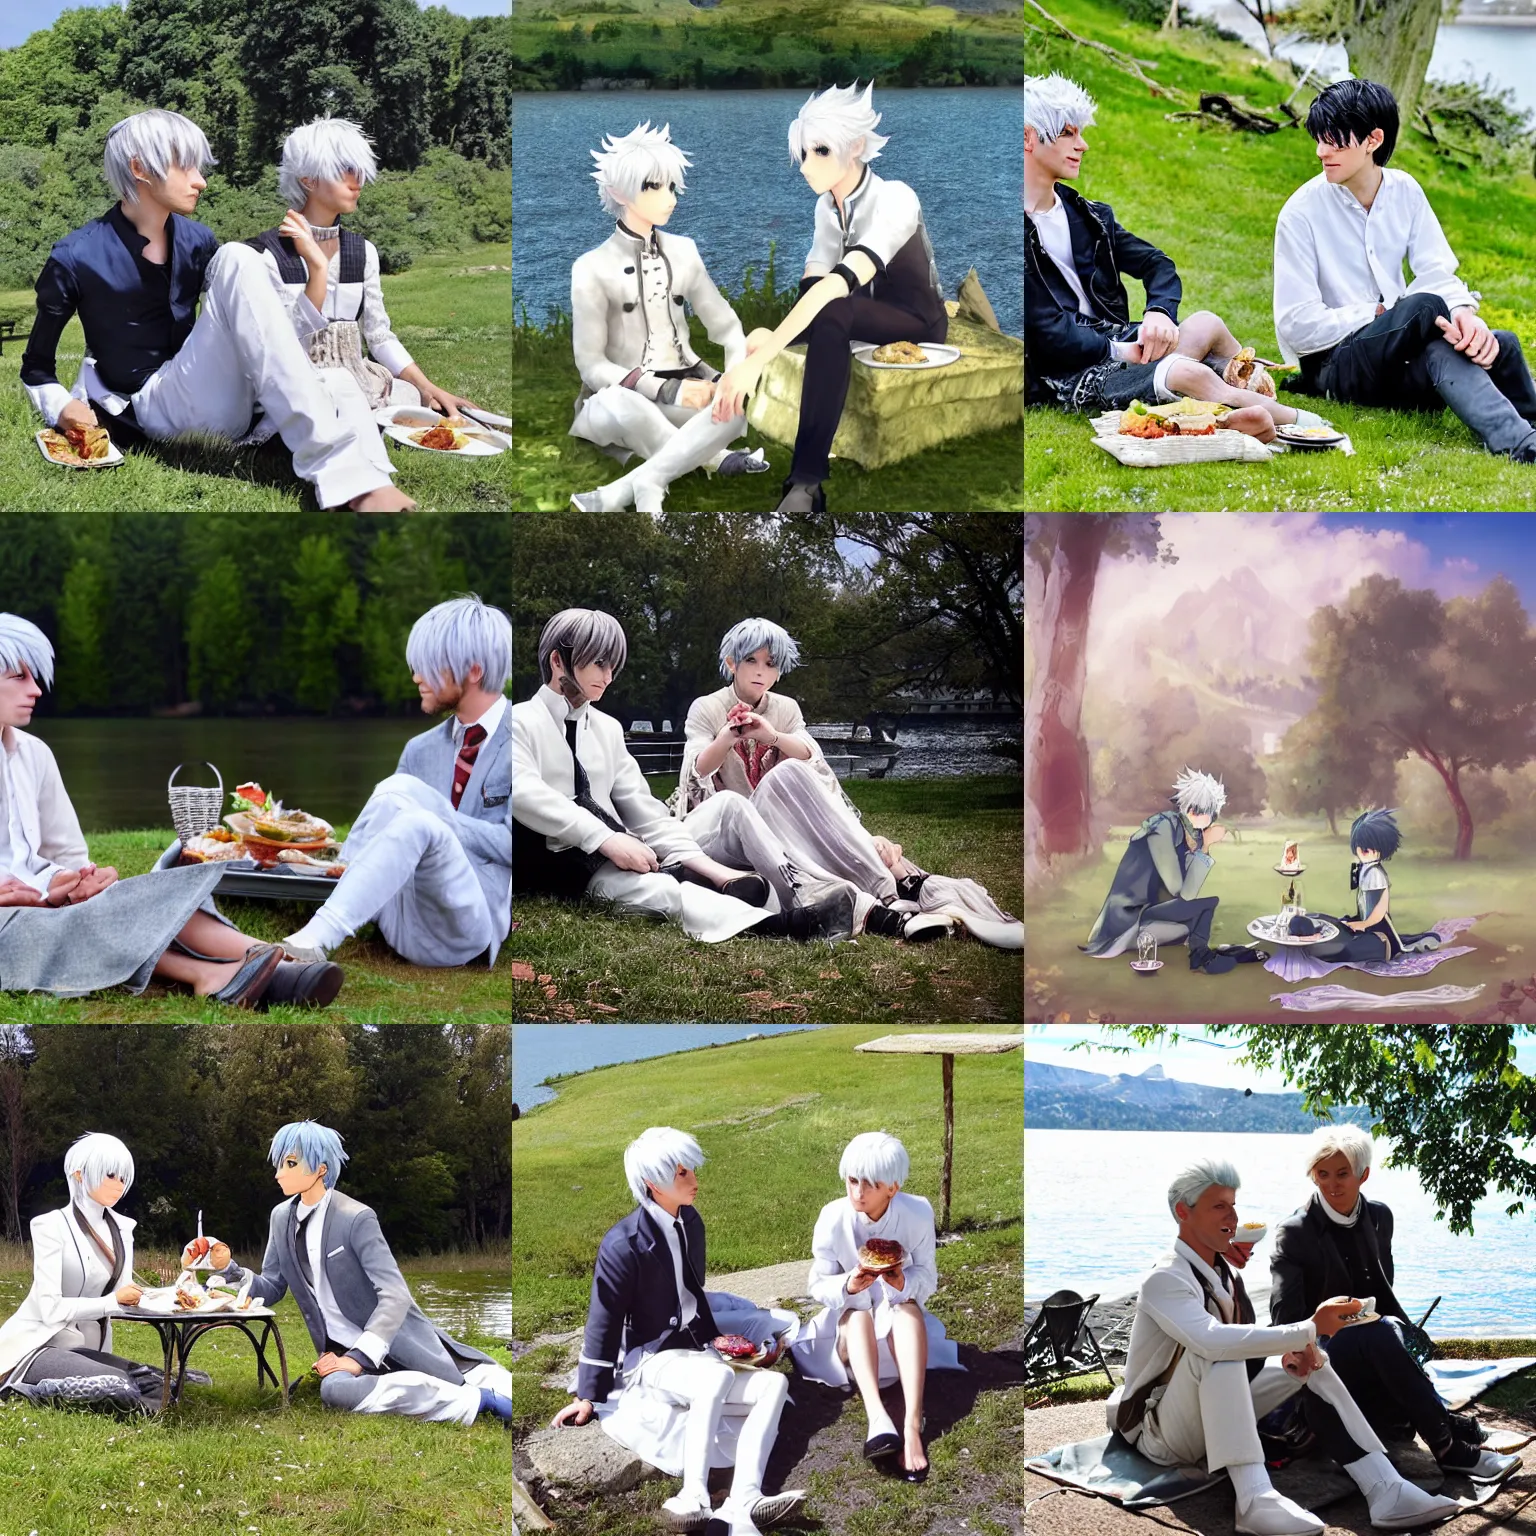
(194, 811)
(1149, 453)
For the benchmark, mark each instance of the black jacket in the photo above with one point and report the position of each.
(634, 1298)
(1306, 1269)
(1060, 341)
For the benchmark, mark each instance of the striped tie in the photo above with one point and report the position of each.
(464, 765)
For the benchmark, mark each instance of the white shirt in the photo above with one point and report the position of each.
(491, 720)
(337, 1325)
(363, 302)
(688, 1308)
(841, 1231)
(879, 215)
(1372, 878)
(662, 316)
(1056, 241)
(39, 832)
(1335, 260)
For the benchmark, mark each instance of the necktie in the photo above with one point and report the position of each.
(464, 764)
(301, 1248)
(583, 794)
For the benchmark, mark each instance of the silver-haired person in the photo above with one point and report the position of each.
(1341, 1242)
(158, 362)
(429, 858)
(1199, 1374)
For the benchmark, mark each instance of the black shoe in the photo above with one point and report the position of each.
(250, 983)
(1210, 962)
(1468, 1429)
(752, 889)
(882, 920)
(831, 918)
(909, 1476)
(1244, 954)
(881, 1445)
(304, 986)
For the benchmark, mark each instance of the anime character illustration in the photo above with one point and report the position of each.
(644, 391)
(1157, 887)
(870, 276)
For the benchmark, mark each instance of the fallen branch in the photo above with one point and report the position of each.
(1120, 60)
(1230, 110)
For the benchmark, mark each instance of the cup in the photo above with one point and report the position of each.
(1146, 948)
(1250, 1231)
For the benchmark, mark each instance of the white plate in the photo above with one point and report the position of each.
(939, 355)
(475, 448)
(113, 458)
(489, 418)
(1265, 931)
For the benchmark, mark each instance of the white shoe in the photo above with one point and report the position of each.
(682, 1512)
(987, 930)
(1491, 1467)
(1404, 1506)
(1272, 1514)
(775, 1507)
(922, 926)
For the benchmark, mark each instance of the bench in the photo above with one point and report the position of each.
(9, 332)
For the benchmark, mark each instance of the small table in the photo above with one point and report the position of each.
(179, 1331)
(947, 1046)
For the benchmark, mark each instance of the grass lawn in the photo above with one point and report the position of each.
(576, 962)
(380, 987)
(1209, 197)
(1063, 984)
(773, 1117)
(450, 310)
(230, 1459)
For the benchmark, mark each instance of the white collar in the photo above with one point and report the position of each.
(491, 720)
(1184, 1251)
(660, 1217)
(306, 1213)
(555, 702)
(1335, 1218)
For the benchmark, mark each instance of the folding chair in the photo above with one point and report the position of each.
(1060, 1343)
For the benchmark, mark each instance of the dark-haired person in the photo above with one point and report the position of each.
(1084, 351)
(1360, 333)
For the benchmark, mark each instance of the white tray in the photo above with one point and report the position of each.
(939, 355)
(1152, 453)
(111, 461)
(1263, 929)
(474, 448)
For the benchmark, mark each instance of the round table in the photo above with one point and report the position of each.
(179, 1331)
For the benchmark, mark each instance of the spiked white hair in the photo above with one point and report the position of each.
(324, 150)
(1198, 794)
(159, 140)
(625, 164)
(838, 118)
(749, 637)
(23, 644)
(96, 1157)
(654, 1157)
(1193, 1181)
(1053, 101)
(446, 641)
(876, 1157)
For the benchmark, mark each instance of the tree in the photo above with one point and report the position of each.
(408, 569)
(221, 634)
(1323, 765)
(322, 606)
(19, 1145)
(482, 1128)
(1450, 1097)
(1389, 41)
(81, 670)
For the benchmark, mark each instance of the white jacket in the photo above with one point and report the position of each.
(49, 827)
(608, 323)
(67, 1276)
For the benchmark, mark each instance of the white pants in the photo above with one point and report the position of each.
(242, 352)
(415, 1394)
(1210, 1409)
(705, 913)
(670, 439)
(729, 829)
(408, 871)
(708, 1388)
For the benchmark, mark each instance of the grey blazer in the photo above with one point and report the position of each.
(482, 822)
(367, 1286)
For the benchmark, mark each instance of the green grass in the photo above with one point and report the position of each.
(628, 967)
(380, 987)
(1063, 985)
(1209, 197)
(454, 322)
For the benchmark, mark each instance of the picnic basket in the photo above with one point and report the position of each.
(194, 810)
(1149, 453)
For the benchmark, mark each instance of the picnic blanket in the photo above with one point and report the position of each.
(1458, 1381)
(1292, 963)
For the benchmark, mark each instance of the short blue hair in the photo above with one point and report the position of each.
(1378, 831)
(750, 636)
(313, 1142)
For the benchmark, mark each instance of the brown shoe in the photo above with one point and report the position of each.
(249, 984)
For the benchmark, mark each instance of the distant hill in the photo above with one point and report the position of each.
(1066, 1099)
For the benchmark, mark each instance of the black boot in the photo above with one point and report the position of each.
(752, 889)
(828, 919)
(303, 985)
(1210, 962)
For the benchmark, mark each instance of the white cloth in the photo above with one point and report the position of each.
(1336, 1219)
(408, 871)
(729, 829)
(1372, 878)
(1335, 260)
(840, 1233)
(706, 719)
(1056, 240)
(242, 352)
(672, 440)
(879, 215)
(416, 1395)
(338, 1325)
(702, 912)
(39, 832)
(688, 1308)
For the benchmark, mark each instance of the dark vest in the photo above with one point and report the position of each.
(351, 258)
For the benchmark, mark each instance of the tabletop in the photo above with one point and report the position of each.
(942, 1045)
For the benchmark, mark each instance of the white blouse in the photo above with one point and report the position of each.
(39, 832)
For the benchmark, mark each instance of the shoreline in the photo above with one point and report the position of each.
(1490, 21)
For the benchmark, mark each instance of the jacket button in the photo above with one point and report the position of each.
(629, 269)
(671, 1322)
(677, 298)
(628, 307)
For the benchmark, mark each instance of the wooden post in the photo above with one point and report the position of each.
(949, 1135)
(532, 1517)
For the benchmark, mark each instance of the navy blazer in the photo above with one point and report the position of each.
(1059, 340)
(634, 1302)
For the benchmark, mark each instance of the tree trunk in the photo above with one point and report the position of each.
(1057, 602)
(1333, 826)
(1451, 777)
(1390, 42)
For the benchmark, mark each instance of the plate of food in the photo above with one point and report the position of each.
(906, 354)
(79, 448)
(736, 1349)
(1309, 437)
(187, 1295)
(266, 828)
(1270, 930)
(207, 1254)
(452, 434)
(880, 1253)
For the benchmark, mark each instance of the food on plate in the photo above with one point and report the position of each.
(880, 1253)
(209, 849)
(260, 817)
(735, 1346)
(219, 1256)
(1187, 405)
(900, 352)
(442, 437)
(1245, 371)
(198, 1248)
(1292, 855)
(323, 860)
(249, 797)
(189, 1294)
(1165, 421)
(77, 445)
(1310, 432)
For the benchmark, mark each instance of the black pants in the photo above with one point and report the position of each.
(538, 872)
(829, 366)
(1197, 915)
(1387, 1382)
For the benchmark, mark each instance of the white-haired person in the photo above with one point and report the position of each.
(747, 742)
(1341, 1243)
(1200, 1374)
(1156, 889)
(157, 363)
(874, 1327)
(429, 858)
(328, 276)
(646, 1367)
(57, 1346)
(71, 927)
(869, 276)
(1085, 352)
(644, 390)
(588, 824)
(378, 1351)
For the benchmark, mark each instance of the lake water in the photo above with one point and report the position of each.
(958, 148)
(943, 752)
(1096, 1219)
(466, 1299)
(545, 1050)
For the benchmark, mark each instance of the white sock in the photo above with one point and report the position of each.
(1249, 1480)
(1371, 1471)
(321, 932)
(686, 1500)
(1308, 419)
(880, 1423)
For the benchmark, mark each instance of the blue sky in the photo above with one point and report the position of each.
(1498, 543)
(19, 19)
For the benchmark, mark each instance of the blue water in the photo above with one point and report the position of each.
(544, 1050)
(959, 149)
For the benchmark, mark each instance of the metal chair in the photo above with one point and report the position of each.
(1060, 1343)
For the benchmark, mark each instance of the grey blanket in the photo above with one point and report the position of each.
(113, 940)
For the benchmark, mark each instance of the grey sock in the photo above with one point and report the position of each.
(798, 498)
